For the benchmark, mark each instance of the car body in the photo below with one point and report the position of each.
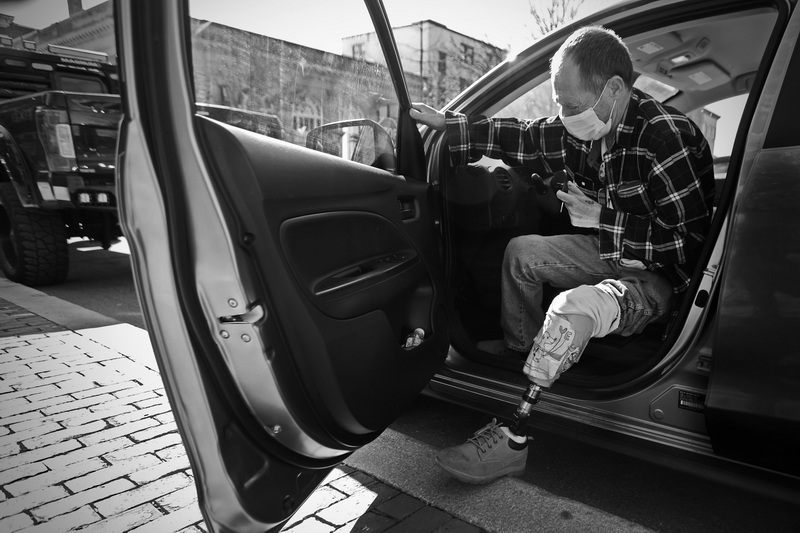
(281, 284)
(59, 115)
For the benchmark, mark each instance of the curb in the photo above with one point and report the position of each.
(63, 313)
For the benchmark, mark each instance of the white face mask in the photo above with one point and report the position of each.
(587, 126)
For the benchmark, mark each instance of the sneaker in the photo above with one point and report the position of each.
(500, 349)
(487, 455)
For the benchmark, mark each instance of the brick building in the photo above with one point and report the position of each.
(90, 29)
(304, 87)
(9, 28)
(446, 60)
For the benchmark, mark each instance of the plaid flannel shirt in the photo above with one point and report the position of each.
(655, 184)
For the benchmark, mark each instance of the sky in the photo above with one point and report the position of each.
(39, 13)
(504, 23)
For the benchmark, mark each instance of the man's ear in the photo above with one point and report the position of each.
(616, 86)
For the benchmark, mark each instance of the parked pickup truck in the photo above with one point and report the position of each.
(59, 118)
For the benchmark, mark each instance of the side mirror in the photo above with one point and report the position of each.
(361, 140)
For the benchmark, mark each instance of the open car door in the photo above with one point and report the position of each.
(280, 274)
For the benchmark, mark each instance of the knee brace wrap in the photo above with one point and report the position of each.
(557, 347)
(574, 317)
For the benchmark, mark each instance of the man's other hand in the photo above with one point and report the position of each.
(425, 114)
(583, 211)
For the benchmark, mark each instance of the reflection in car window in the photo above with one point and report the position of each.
(80, 84)
(287, 72)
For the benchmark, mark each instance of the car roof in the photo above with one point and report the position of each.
(704, 60)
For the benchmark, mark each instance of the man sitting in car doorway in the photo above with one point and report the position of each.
(649, 180)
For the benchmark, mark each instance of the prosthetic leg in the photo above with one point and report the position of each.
(497, 449)
(529, 399)
(558, 345)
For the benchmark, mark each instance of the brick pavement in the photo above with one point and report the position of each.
(88, 442)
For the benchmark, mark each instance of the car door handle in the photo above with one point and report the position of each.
(374, 270)
(408, 207)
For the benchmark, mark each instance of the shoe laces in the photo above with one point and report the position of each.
(487, 436)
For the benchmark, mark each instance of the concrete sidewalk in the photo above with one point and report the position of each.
(88, 441)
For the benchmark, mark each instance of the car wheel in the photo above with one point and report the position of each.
(33, 242)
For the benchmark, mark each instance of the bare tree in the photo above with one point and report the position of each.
(551, 14)
(450, 71)
(547, 16)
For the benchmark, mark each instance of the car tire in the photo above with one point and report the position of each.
(33, 242)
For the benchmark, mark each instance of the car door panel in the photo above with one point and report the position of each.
(335, 228)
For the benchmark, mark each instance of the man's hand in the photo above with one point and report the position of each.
(425, 114)
(583, 211)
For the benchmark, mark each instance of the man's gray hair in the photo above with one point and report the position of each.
(599, 54)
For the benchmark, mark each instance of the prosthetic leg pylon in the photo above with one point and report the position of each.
(529, 399)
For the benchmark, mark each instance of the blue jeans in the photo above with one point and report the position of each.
(566, 262)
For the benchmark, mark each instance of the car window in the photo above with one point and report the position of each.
(292, 75)
(79, 84)
(719, 120)
(449, 46)
(720, 129)
(440, 48)
(727, 114)
(538, 102)
(678, 65)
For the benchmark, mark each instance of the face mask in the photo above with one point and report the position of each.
(587, 126)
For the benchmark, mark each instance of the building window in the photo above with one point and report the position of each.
(358, 51)
(442, 62)
(467, 54)
(224, 94)
(307, 116)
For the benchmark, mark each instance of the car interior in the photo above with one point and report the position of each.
(687, 64)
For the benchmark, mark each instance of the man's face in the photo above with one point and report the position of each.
(572, 97)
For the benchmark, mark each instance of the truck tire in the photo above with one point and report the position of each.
(33, 242)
